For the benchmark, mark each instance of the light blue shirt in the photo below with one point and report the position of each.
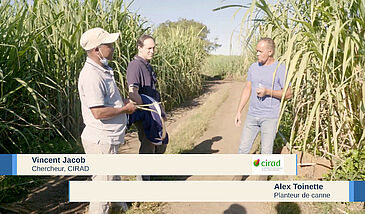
(271, 77)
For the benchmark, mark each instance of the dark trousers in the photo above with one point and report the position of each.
(146, 146)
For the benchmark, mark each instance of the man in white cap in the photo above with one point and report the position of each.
(103, 110)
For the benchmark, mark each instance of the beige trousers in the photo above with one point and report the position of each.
(100, 148)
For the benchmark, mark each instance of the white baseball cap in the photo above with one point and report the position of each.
(96, 36)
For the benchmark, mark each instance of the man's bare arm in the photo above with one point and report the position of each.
(103, 112)
(245, 96)
(274, 93)
(134, 95)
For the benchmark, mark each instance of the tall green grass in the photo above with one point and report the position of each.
(226, 67)
(40, 61)
(181, 53)
(321, 42)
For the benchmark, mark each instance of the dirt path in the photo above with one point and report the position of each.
(52, 197)
(221, 137)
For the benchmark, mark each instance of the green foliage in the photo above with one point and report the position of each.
(222, 67)
(349, 167)
(11, 187)
(197, 28)
(177, 62)
(284, 130)
(325, 66)
(322, 44)
(41, 58)
(40, 61)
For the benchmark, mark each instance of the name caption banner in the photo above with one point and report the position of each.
(148, 164)
(217, 191)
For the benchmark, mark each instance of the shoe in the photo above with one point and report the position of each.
(120, 206)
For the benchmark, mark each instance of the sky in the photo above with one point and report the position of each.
(221, 24)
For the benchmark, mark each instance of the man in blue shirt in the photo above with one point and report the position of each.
(142, 79)
(267, 79)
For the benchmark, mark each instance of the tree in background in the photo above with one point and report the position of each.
(200, 29)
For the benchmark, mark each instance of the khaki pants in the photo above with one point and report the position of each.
(100, 148)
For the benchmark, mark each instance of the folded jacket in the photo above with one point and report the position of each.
(152, 121)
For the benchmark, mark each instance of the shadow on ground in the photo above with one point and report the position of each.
(287, 207)
(205, 147)
(235, 209)
(52, 197)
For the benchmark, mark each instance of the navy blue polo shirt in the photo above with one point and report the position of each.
(140, 75)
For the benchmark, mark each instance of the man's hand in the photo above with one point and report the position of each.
(237, 119)
(261, 92)
(103, 112)
(126, 101)
(130, 107)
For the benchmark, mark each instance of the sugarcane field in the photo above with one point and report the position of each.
(138, 79)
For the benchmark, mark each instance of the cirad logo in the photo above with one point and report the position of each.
(266, 163)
